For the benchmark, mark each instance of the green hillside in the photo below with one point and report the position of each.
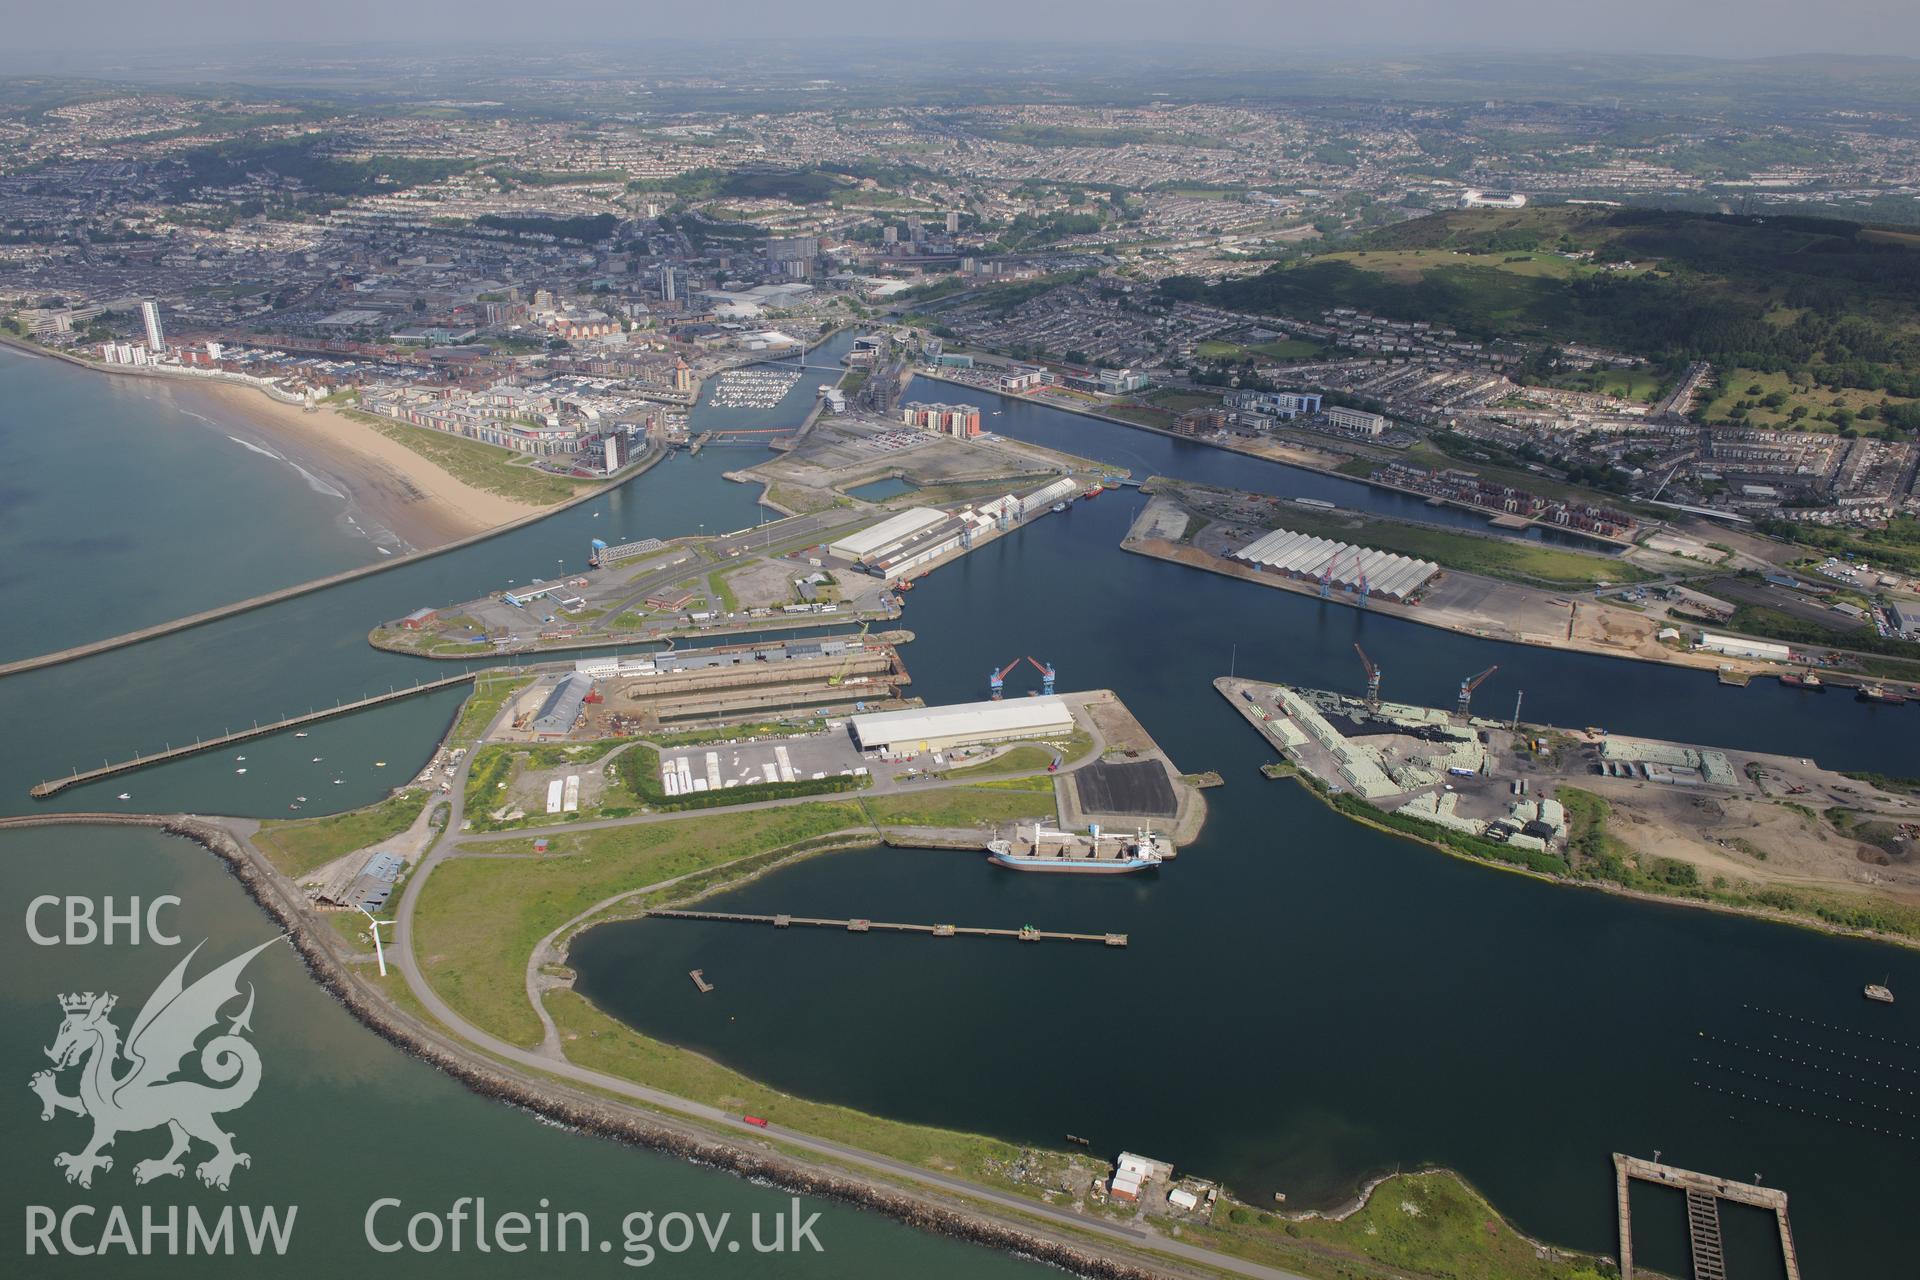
(1833, 300)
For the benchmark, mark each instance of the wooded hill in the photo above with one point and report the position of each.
(1836, 299)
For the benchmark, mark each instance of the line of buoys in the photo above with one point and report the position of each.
(1829, 1026)
(1804, 1088)
(1842, 1053)
(1805, 1111)
(1800, 1062)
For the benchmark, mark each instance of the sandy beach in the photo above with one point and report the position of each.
(392, 488)
(399, 499)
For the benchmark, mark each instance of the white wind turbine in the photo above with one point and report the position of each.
(373, 927)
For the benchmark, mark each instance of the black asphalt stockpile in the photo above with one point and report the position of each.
(1139, 788)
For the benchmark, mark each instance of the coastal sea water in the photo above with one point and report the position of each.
(342, 1120)
(1485, 1014)
(121, 503)
(312, 652)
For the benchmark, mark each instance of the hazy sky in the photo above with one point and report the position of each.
(1717, 27)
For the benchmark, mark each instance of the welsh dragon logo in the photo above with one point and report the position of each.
(144, 1093)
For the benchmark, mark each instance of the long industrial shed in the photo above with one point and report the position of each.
(1347, 567)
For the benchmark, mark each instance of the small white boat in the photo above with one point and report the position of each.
(379, 764)
(240, 770)
(301, 734)
(316, 759)
(126, 795)
(1878, 992)
(240, 758)
(301, 799)
(338, 781)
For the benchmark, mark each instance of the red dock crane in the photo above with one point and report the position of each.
(1046, 675)
(997, 681)
(1467, 687)
(1373, 679)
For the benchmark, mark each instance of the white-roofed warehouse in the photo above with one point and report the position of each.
(896, 528)
(1301, 555)
(962, 724)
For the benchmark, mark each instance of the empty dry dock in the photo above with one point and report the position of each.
(745, 680)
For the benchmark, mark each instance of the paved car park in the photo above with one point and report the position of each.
(715, 766)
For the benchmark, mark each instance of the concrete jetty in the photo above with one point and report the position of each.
(42, 790)
(93, 647)
(1704, 1193)
(1026, 933)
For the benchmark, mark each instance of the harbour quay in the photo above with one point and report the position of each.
(1534, 788)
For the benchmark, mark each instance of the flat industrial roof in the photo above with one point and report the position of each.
(1711, 640)
(865, 542)
(924, 723)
